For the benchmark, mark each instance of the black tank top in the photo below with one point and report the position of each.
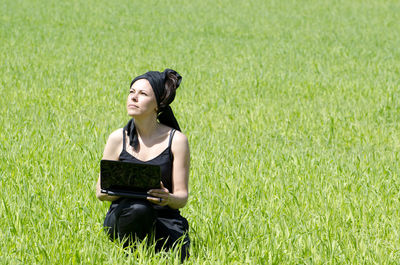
(164, 160)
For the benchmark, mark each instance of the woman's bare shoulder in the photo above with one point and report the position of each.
(179, 137)
(113, 146)
(115, 137)
(180, 142)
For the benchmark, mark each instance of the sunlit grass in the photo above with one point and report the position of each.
(291, 109)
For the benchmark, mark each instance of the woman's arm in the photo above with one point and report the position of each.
(111, 152)
(180, 176)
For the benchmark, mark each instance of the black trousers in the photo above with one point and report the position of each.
(130, 219)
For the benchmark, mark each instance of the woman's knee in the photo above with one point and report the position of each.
(138, 218)
(137, 210)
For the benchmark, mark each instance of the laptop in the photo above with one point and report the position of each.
(128, 179)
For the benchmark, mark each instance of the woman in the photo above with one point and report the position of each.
(153, 137)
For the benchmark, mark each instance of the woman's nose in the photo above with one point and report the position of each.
(134, 97)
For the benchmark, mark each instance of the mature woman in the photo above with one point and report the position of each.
(153, 137)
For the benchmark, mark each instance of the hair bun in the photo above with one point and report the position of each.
(176, 79)
(172, 80)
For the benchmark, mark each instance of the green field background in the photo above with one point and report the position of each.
(291, 109)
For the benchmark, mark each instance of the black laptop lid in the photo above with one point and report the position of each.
(128, 176)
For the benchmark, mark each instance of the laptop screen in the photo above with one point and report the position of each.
(128, 176)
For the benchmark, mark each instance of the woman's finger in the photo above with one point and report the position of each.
(163, 188)
(157, 192)
(155, 200)
(158, 200)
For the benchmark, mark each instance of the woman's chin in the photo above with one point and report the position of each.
(132, 113)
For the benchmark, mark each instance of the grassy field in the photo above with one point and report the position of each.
(291, 109)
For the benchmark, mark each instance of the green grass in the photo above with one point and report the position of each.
(291, 109)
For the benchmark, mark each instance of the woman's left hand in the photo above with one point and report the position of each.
(159, 196)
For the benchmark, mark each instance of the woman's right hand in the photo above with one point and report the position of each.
(104, 196)
(111, 152)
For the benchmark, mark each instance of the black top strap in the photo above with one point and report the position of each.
(123, 138)
(171, 135)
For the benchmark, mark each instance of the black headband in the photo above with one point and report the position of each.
(165, 115)
(157, 82)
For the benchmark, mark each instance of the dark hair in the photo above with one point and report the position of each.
(171, 84)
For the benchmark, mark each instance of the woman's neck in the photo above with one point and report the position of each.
(146, 127)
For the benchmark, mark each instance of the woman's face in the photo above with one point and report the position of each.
(141, 99)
